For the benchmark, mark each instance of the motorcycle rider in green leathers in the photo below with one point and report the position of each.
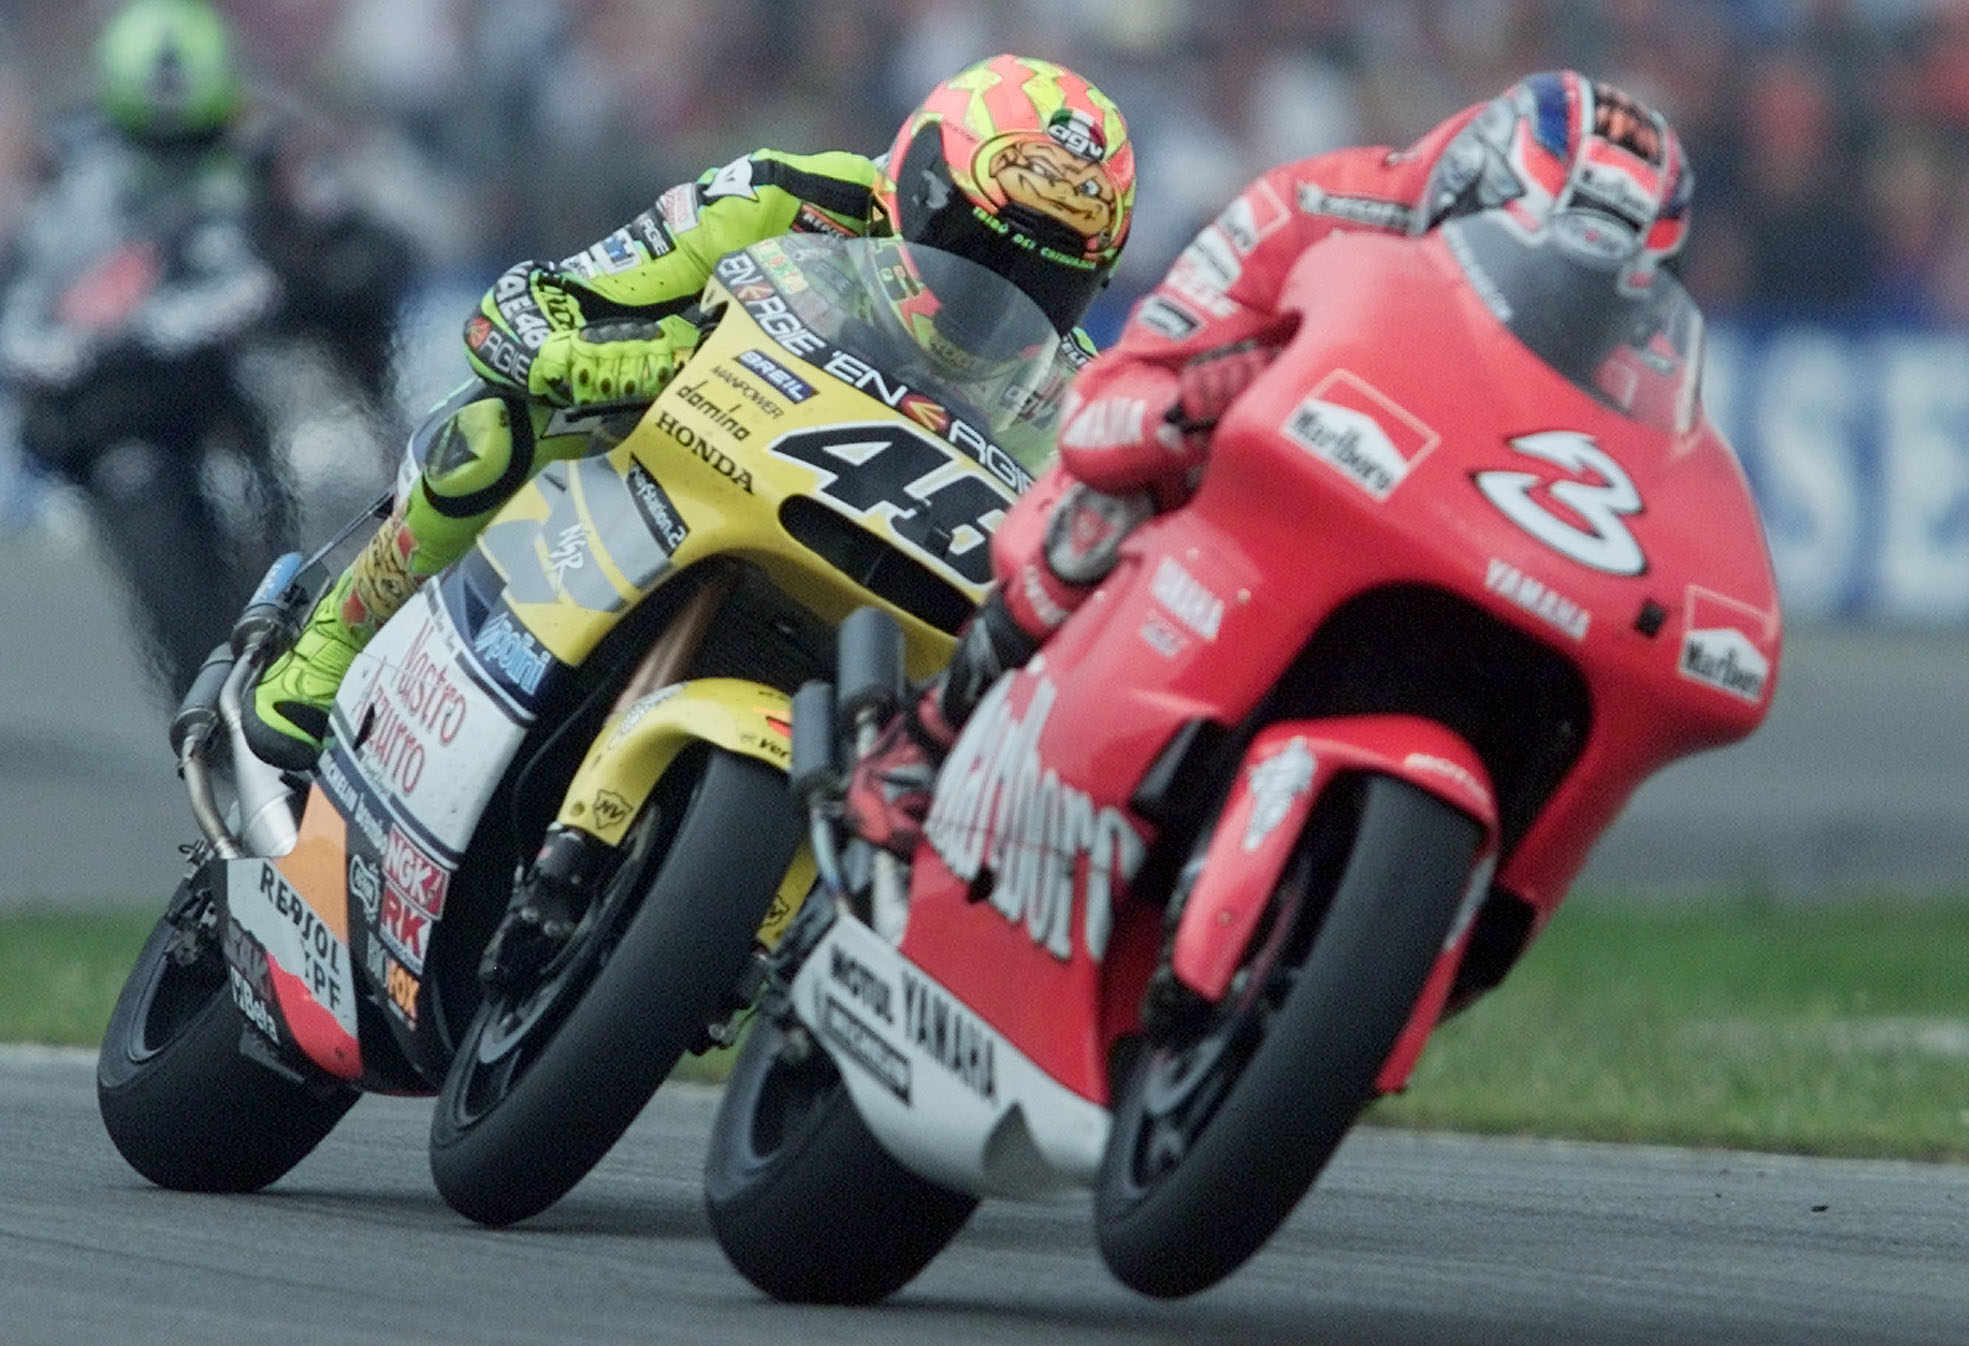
(1016, 163)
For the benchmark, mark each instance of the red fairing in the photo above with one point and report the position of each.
(1286, 768)
(1228, 286)
(1407, 439)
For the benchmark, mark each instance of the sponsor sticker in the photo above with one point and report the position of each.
(510, 652)
(1165, 317)
(365, 884)
(865, 1045)
(1001, 806)
(1250, 219)
(679, 206)
(1537, 598)
(651, 233)
(1276, 784)
(654, 507)
(941, 1029)
(1393, 216)
(1187, 598)
(1106, 423)
(781, 379)
(812, 221)
(1361, 432)
(863, 984)
(415, 872)
(1726, 645)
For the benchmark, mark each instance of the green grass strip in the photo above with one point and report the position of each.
(1830, 1029)
(60, 974)
(1834, 1029)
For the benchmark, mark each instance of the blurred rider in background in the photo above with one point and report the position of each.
(1136, 427)
(1015, 163)
(171, 223)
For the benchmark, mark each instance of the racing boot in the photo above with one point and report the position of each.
(889, 786)
(286, 718)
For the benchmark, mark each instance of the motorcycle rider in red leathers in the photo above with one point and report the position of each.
(1135, 428)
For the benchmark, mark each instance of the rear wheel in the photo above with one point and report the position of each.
(550, 1074)
(179, 1101)
(1222, 1127)
(805, 1202)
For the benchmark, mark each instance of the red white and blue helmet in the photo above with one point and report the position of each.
(1558, 143)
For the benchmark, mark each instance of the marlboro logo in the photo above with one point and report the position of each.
(1353, 426)
(1726, 645)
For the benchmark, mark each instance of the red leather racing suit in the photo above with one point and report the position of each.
(1120, 458)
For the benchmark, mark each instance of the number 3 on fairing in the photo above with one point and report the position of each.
(1604, 543)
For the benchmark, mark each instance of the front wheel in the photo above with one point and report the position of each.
(179, 1101)
(549, 1075)
(1221, 1129)
(805, 1202)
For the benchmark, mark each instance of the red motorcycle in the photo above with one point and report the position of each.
(1306, 774)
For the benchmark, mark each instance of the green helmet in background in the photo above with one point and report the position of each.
(166, 69)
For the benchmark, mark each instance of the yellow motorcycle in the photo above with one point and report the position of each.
(578, 732)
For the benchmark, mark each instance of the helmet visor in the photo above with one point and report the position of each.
(1061, 285)
(1039, 255)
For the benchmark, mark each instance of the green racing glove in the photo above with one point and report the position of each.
(622, 360)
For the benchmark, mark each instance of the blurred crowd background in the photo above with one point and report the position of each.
(1830, 137)
(1830, 140)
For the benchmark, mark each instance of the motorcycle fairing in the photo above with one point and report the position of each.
(946, 1093)
(289, 960)
(419, 720)
(1284, 772)
(762, 415)
(429, 719)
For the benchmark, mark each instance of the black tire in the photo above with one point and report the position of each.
(180, 1102)
(803, 1199)
(544, 1083)
(1217, 1138)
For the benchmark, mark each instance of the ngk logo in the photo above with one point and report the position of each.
(415, 875)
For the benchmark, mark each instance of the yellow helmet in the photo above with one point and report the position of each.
(1024, 167)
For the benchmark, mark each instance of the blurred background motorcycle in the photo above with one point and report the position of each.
(184, 271)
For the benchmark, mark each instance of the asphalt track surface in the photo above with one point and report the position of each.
(1409, 1239)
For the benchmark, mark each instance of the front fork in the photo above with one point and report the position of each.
(656, 717)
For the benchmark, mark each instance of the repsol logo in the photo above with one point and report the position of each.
(707, 453)
(692, 395)
(321, 950)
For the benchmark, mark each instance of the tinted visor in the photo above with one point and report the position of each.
(1037, 254)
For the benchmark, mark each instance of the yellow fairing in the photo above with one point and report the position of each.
(775, 448)
(637, 745)
(747, 437)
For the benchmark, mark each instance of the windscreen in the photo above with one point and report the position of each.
(1636, 349)
(943, 325)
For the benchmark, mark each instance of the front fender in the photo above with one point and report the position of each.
(1285, 771)
(637, 745)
